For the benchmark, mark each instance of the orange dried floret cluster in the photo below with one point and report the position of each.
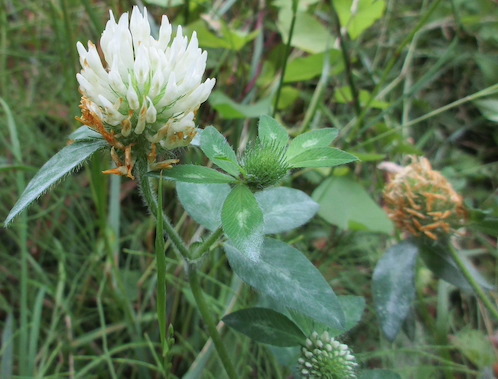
(422, 202)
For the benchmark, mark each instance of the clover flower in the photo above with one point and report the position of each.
(325, 357)
(422, 202)
(147, 92)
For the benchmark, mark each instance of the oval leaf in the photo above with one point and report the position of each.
(285, 209)
(194, 174)
(321, 157)
(310, 140)
(272, 133)
(242, 221)
(287, 276)
(217, 149)
(266, 326)
(61, 164)
(203, 202)
(394, 287)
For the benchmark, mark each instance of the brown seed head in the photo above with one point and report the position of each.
(422, 202)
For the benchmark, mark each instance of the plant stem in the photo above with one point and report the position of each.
(179, 245)
(473, 283)
(286, 56)
(208, 319)
(151, 200)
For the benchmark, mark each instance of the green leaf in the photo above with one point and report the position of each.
(266, 326)
(394, 287)
(488, 108)
(289, 278)
(345, 203)
(61, 164)
(321, 157)
(229, 39)
(285, 208)
(84, 133)
(344, 95)
(311, 140)
(242, 221)
(229, 109)
(378, 374)
(272, 133)
(358, 16)
(309, 67)
(216, 147)
(439, 261)
(203, 202)
(194, 174)
(309, 34)
(353, 308)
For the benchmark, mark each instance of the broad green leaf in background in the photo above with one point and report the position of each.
(61, 164)
(203, 202)
(439, 261)
(378, 374)
(488, 108)
(309, 34)
(310, 67)
(345, 203)
(229, 109)
(266, 326)
(285, 208)
(344, 96)
(310, 140)
(229, 39)
(217, 149)
(271, 132)
(194, 174)
(288, 96)
(358, 16)
(242, 221)
(321, 157)
(394, 286)
(289, 278)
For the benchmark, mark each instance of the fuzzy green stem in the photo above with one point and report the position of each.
(151, 201)
(208, 319)
(473, 283)
(210, 241)
(161, 274)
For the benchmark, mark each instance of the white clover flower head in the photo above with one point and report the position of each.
(148, 90)
(323, 356)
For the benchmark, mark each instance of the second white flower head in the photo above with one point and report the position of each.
(150, 87)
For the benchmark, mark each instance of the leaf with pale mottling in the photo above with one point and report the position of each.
(310, 140)
(242, 221)
(216, 147)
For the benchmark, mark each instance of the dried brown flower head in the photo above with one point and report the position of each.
(422, 202)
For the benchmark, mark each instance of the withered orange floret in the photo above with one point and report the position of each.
(422, 202)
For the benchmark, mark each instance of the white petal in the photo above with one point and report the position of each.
(151, 114)
(164, 33)
(141, 67)
(132, 97)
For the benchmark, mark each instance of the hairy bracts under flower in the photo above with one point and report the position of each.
(148, 90)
